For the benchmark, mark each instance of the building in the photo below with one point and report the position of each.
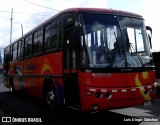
(156, 59)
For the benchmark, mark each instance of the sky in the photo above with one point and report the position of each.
(28, 14)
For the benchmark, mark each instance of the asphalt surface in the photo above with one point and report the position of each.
(21, 107)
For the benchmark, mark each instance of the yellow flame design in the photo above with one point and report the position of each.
(139, 84)
(145, 75)
(46, 67)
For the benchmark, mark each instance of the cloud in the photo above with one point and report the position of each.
(63, 4)
(151, 14)
(21, 15)
(22, 10)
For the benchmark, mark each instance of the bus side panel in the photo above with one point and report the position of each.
(30, 75)
(59, 86)
(17, 75)
(41, 67)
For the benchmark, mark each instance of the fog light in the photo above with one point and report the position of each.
(99, 95)
(146, 92)
(94, 107)
(108, 95)
(155, 84)
(151, 90)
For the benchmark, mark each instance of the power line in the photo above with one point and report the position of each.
(40, 5)
(29, 13)
(2, 20)
(23, 13)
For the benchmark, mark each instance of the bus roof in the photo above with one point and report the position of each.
(99, 10)
(103, 10)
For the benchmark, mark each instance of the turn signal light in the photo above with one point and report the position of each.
(87, 92)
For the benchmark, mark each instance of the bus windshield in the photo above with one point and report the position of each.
(113, 41)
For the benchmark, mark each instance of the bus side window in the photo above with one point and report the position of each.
(20, 49)
(37, 42)
(51, 36)
(7, 57)
(7, 52)
(28, 46)
(15, 51)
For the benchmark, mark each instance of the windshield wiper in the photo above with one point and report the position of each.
(131, 47)
(113, 52)
(117, 44)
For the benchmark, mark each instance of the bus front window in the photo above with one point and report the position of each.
(135, 42)
(101, 43)
(109, 41)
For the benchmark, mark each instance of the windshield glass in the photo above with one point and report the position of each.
(136, 42)
(113, 41)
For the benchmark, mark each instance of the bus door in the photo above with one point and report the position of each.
(71, 89)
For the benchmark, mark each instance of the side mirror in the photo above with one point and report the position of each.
(148, 28)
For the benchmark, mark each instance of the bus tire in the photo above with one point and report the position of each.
(50, 98)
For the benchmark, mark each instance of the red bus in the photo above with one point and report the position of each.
(88, 59)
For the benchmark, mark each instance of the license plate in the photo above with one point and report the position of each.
(148, 103)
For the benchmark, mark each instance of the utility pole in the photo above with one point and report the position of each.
(22, 29)
(11, 26)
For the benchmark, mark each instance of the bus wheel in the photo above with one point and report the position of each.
(50, 97)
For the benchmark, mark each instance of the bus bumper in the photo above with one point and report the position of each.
(95, 99)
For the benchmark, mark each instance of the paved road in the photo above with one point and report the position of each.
(21, 106)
